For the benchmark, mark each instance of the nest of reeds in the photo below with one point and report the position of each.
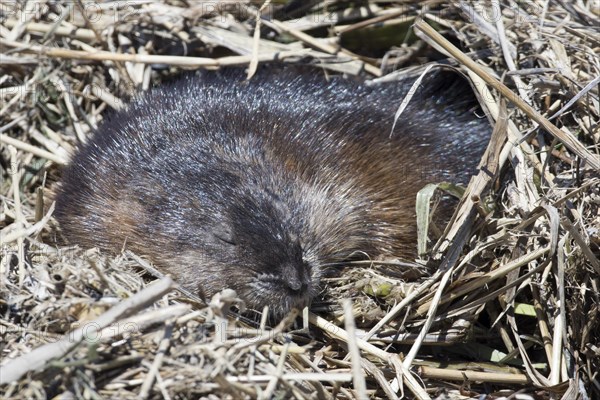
(512, 307)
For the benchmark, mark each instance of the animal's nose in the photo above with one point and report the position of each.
(295, 283)
(297, 278)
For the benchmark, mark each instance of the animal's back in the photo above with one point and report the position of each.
(214, 177)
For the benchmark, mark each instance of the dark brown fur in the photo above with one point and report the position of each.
(256, 185)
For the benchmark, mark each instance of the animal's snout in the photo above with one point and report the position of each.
(297, 278)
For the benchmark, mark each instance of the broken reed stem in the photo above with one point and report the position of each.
(473, 376)
(431, 312)
(158, 360)
(358, 376)
(32, 149)
(181, 61)
(41, 28)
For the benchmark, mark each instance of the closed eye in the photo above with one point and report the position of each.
(225, 239)
(223, 231)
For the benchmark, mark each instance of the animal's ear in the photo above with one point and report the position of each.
(223, 231)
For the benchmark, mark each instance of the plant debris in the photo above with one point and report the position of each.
(505, 302)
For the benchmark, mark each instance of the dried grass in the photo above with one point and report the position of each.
(512, 307)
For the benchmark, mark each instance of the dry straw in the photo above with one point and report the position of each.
(506, 304)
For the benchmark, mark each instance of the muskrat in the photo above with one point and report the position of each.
(256, 185)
